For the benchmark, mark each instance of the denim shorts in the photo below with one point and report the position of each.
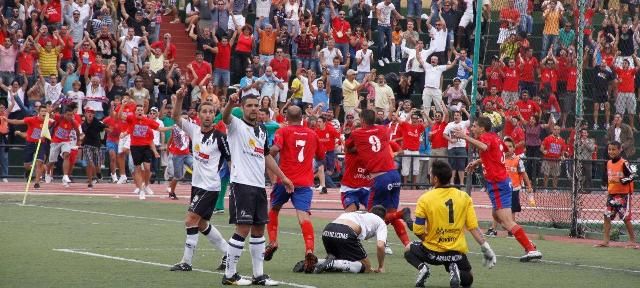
(221, 77)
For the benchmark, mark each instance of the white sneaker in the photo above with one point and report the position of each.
(387, 250)
(148, 190)
(4, 180)
(122, 180)
(136, 191)
(595, 126)
(114, 178)
(94, 182)
(531, 255)
(65, 179)
(141, 195)
(386, 60)
(381, 63)
(47, 178)
(606, 126)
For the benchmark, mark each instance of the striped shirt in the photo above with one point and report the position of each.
(552, 22)
(49, 61)
(97, 23)
(521, 6)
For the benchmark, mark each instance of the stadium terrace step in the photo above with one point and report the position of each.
(185, 46)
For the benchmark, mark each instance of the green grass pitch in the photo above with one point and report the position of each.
(70, 241)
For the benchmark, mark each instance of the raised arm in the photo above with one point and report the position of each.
(226, 113)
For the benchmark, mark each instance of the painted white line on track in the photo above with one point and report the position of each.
(298, 234)
(85, 253)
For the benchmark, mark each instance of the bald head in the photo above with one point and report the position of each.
(294, 114)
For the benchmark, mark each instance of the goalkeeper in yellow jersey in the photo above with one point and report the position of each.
(442, 215)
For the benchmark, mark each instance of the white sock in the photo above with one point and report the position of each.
(256, 248)
(215, 238)
(190, 244)
(234, 251)
(347, 266)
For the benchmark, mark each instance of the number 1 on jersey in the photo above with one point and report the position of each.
(301, 143)
(449, 204)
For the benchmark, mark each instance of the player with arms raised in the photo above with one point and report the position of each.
(498, 182)
(442, 216)
(298, 146)
(372, 142)
(210, 150)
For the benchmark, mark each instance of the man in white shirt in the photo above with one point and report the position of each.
(53, 89)
(438, 43)
(343, 238)
(364, 57)
(416, 61)
(432, 90)
(130, 41)
(457, 147)
(383, 14)
(328, 53)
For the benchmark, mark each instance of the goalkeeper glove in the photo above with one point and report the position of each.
(489, 258)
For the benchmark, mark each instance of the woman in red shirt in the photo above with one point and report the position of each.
(242, 54)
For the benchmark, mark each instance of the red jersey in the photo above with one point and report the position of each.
(527, 69)
(26, 62)
(298, 146)
(437, 136)
(53, 11)
(327, 137)
(281, 68)
(517, 135)
(528, 108)
(509, 15)
(609, 59)
(171, 54)
(114, 125)
(411, 134)
(373, 143)
(355, 174)
(67, 49)
(34, 128)
(627, 80)
(511, 79)
(62, 129)
(493, 157)
(495, 99)
(549, 76)
(563, 65)
(553, 146)
(494, 77)
(128, 109)
(141, 130)
(223, 58)
(340, 25)
(552, 102)
(201, 69)
(572, 79)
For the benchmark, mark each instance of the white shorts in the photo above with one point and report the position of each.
(432, 94)
(467, 18)
(124, 143)
(56, 149)
(281, 94)
(408, 163)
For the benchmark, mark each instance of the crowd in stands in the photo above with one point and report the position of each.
(96, 60)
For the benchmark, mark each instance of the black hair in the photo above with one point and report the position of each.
(615, 143)
(484, 122)
(368, 116)
(379, 211)
(441, 170)
(248, 97)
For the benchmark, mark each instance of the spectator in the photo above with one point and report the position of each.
(509, 20)
(411, 130)
(552, 15)
(341, 30)
(384, 10)
(268, 37)
(350, 88)
(527, 68)
(584, 152)
(439, 143)
(364, 58)
(457, 147)
(622, 133)
(626, 98)
(603, 76)
(416, 62)
(8, 56)
(566, 36)
(456, 97)
(553, 149)
(167, 47)
(432, 90)
(438, 42)
(384, 98)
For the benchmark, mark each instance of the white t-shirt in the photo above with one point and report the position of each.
(460, 143)
(385, 13)
(328, 56)
(78, 97)
(20, 94)
(52, 92)
(370, 225)
(432, 75)
(263, 8)
(97, 95)
(129, 45)
(439, 42)
(248, 147)
(307, 96)
(291, 11)
(209, 150)
(365, 65)
(156, 133)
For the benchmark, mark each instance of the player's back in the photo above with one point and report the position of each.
(355, 174)
(298, 147)
(448, 212)
(372, 145)
(493, 157)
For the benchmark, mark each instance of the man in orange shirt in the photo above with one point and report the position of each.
(267, 43)
(619, 178)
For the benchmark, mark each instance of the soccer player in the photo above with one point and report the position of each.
(355, 185)
(342, 241)
(297, 146)
(210, 150)
(517, 174)
(128, 107)
(498, 184)
(61, 140)
(442, 215)
(248, 197)
(619, 178)
(34, 130)
(91, 143)
(372, 142)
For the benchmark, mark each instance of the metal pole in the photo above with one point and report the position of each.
(474, 83)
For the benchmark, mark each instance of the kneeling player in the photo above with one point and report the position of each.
(210, 150)
(442, 215)
(342, 241)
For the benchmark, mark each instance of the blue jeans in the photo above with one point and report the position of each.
(526, 23)
(547, 40)
(384, 48)
(326, 14)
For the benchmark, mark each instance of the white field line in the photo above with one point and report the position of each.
(298, 234)
(85, 253)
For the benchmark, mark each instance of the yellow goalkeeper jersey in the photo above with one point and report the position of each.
(442, 215)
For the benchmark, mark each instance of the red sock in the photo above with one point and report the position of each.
(522, 238)
(401, 231)
(391, 216)
(272, 226)
(308, 236)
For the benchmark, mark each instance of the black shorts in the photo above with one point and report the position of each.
(569, 102)
(600, 97)
(335, 96)
(202, 202)
(341, 241)
(248, 205)
(440, 258)
(30, 151)
(515, 201)
(141, 154)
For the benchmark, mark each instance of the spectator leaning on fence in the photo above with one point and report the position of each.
(622, 133)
